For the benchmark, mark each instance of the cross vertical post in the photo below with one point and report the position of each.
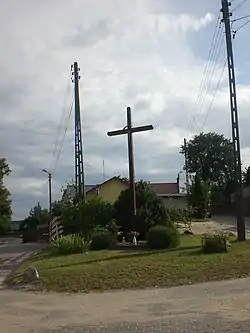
(129, 130)
(131, 162)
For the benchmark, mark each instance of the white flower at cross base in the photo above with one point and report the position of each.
(134, 241)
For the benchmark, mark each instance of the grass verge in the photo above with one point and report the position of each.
(106, 270)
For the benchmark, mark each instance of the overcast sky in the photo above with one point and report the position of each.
(146, 54)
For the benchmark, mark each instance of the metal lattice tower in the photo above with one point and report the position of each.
(79, 171)
(234, 120)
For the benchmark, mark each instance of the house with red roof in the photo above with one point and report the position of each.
(110, 189)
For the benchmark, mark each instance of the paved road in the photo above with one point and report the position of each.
(12, 253)
(230, 221)
(205, 308)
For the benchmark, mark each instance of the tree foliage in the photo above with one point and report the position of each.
(82, 217)
(150, 209)
(5, 201)
(246, 177)
(37, 216)
(198, 197)
(210, 156)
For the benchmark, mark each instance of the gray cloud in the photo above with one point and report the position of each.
(85, 37)
(130, 54)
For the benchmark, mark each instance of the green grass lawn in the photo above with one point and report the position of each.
(105, 270)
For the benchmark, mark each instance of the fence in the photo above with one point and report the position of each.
(56, 228)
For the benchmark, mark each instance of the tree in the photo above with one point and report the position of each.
(150, 209)
(82, 217)
(37, 216)
(5, 201)
(198, 197)
(210, 155)
(246, 177)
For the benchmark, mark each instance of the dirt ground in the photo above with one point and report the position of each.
(219, 223)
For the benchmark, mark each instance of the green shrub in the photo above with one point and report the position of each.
(214, 243)
(70, 244)
(81, 217)
(101, 240)
(160, 237)
(179, 214)
(150, 209)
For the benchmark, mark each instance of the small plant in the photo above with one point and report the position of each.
(102, 240)
(161, 237)
(215, 243)
(70, 244)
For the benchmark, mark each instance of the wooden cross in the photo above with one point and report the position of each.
(129, 130)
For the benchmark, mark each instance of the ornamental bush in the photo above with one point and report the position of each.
(215, 243)
(150, 209)
(162, 237)
(103, 239)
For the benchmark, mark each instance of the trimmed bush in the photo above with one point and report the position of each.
(160, 237)
(214, 243)
(102, 240)
(70, 244)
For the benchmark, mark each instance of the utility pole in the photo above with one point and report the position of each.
(185, 156)
(235, 125)
(129, 130)
(79, 171)
(50, 190)
(103, 171)
(50, 196)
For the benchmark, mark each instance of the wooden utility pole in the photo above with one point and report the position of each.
(79, 170)
(103, 171)
(129, 130)
(50, 197)
(50, 190)
(186, 171)
(50, 193)
(234, 119)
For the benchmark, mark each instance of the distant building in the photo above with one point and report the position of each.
(111, 189)
(15, 225)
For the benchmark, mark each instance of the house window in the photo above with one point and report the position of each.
(97, 191)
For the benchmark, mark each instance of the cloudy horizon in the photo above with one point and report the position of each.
(146, 54)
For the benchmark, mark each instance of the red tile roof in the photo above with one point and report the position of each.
(165, 188)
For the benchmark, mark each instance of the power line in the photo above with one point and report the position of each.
(240, 18)
(59, 128)
(210, 79)
(239, 5)
(214, 95)
(205, 73)
(242, 26)
(208, 70)
(64, 135)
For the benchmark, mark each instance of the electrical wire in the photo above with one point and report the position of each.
(242, 26)
(239, 5)
(59, 128)
(63, 137)
(207, 73)
(210, 78)
(214, 95)
(240, 18)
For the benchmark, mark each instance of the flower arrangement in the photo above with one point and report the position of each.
(132, 235)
